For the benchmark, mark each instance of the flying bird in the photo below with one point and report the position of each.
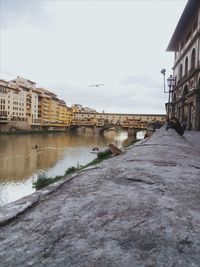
(97, 85)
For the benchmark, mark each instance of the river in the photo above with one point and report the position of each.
(20, 163)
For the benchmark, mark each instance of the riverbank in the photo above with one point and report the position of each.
(140, 208)
(23, 127)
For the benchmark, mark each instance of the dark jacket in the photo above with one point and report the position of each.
(178, 127)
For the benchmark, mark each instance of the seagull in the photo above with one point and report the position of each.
(97, 85)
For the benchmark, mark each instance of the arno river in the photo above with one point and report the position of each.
(20, 163)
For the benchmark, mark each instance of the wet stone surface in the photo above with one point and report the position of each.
(140, 208)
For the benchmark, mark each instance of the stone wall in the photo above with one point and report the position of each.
(15, 126)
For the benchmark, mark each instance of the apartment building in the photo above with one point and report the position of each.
(80, 108)
(12, 102)
(3, 100)
(54, 107)
(43, 106)
(26, 100)
(21, 100)
(185, 43)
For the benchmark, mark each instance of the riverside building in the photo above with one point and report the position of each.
(25, 106)
(185, 43)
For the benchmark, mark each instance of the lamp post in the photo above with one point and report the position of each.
(171, 83)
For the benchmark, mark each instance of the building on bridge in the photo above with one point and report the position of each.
(122, 120)
(185, 43)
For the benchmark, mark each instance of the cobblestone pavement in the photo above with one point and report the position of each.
(140, 208)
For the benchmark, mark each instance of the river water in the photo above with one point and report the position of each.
(20, 163)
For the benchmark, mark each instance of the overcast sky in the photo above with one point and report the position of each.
(66, 46)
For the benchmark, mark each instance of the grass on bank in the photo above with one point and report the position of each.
(43, 180)
(132, 143)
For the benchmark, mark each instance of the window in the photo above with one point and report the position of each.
(180, 71)
(195, 25)
(188, 35)
(174, 97)
(193, 59)
(186, 65)
(185, 90)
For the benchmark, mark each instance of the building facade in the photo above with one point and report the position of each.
(21, 100)
(124, 120)
(185, 43)
(12, 102)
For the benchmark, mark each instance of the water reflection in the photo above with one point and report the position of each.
(19, 162)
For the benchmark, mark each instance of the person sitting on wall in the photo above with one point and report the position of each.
(189, 127)
(176, 125)
(169, 124)
(184, 123)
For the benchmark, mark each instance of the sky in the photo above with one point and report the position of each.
(66, 46)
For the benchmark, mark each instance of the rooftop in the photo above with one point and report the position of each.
(189, 12)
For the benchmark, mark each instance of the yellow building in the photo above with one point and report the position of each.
(52, 110)
(62, 115)
(44, 106)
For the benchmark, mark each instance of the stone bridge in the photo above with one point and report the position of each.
(81, 127)
(99, 122)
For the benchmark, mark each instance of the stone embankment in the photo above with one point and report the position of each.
(141, 208)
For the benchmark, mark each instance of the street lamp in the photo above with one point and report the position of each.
(171, 82)
(163, 71)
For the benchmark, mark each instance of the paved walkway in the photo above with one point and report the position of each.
(193, 137)
(141, 208)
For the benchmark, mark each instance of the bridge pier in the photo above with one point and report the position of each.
(97, 130)
(150, 131)
(88, 130)
(100, 130)
(132, 132)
